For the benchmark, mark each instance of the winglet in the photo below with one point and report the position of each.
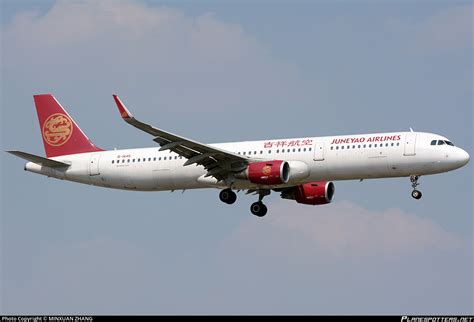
(124, 112)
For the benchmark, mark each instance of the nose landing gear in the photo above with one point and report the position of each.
(414, 183)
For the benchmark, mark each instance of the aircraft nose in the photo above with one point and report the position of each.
(463, 157)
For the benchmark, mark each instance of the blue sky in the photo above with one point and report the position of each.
(219, 72)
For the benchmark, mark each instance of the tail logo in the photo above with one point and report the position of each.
(57, 129)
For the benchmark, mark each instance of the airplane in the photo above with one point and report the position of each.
(300, 169)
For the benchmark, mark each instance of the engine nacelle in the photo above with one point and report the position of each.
(313, 193)
(266, 173)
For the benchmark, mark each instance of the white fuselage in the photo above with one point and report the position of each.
(311, 159)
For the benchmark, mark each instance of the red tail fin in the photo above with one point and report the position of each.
(61, 135)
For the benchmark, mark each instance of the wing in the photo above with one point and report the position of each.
(218, 163)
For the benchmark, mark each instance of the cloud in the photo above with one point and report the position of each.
(342, 259)
(446, 31)
(158, 50)
(449, 29)
(343, 229)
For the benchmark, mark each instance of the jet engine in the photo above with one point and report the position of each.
(266, 173)
(313, 193)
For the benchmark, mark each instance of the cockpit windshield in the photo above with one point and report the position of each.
(441, 142)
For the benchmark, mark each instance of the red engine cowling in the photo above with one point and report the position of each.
(313, 193)
(267, 173)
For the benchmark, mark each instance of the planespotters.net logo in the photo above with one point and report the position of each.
(437, 319)
(57, 129)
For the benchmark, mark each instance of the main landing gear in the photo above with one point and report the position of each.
(414, 183)
(258, 208)
(227, 196)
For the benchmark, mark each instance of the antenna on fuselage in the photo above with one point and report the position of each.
(411, 130)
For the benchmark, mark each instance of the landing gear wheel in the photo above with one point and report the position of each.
(258, 209)
(414, 183)
(416, 194)
(227, 196)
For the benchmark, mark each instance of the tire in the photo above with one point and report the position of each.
(258, 209)
(416, 194)
(227, 196)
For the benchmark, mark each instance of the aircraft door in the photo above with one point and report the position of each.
(410, 142)
(94, 165)
(318, 151)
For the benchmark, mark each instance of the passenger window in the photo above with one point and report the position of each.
(392, 143)
(358, 146)
(398, 143)
(254, 152)
(433, 142)
(261, 152)
(123, 161)
(154, 159)
(164, 158)
(337, 147)
(342, 147)
(244, 153)
(294, 150)
(269, 151)
(348, 147)
(113, 161)
(176, 157)
(353, 146)
(332, 147)
(128, 161)
(278, 151)
(370, 145)
(440, 142)
(365, 146)
(309, 149)
(133, 160)
(304, 149)
(299, 150)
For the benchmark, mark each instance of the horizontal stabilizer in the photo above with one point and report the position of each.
(39, 160)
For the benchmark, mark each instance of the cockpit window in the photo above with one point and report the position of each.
(442, 142)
